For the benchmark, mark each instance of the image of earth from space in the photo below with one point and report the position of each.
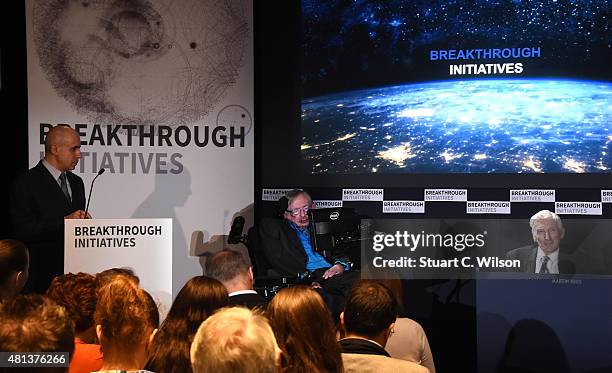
(468, 126)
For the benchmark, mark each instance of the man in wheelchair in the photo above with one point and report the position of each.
(287, 245)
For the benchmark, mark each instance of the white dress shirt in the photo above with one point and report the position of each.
(553, 262)
(56, 174)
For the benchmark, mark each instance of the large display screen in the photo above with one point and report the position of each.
(456, 87)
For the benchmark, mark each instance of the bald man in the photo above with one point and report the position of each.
(42, 198)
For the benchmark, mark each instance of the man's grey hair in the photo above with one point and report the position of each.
(295, 193)
(235, 340)
(226, 265)
(543, 215)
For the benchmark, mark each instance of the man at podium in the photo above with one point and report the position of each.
(42, 198)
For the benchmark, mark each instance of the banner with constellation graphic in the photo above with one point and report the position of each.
(161, 94)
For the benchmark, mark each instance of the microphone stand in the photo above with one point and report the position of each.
(91, 188)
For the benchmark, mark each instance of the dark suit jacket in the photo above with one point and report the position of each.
(284, 252)
(250, 301)
(38, 207)
(527, 256)
(282, 247)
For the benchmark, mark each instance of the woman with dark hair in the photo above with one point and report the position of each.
(126, 320)
(198, 299)
(77, 293)
(304, 331)
(14, 268)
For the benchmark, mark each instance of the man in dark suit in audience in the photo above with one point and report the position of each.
(232, 270)
(368, 320)
(42, 198)
(287, 247)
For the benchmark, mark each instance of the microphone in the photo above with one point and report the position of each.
(235, 235)
(91, 188)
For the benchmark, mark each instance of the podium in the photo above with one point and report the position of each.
(145, 245)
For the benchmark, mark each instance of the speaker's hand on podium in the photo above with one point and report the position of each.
(78, 214)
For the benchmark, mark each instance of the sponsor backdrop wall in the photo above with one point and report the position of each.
(162, 97)
(356, 111)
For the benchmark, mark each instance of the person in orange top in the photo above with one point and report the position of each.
(77, 294)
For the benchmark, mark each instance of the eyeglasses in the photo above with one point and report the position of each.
(296, 212)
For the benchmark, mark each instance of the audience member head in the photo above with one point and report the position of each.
(197, 300)
(33, 323)
(370, 312)
(77, 294)
(231, 268)
(304, 331)
(395, 285)
(547, 230)
(235, 340)
(108, 274)
(126, 319)
(298, 204)
(14, 268)
(62, 147)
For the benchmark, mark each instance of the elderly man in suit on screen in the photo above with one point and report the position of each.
(545, 255)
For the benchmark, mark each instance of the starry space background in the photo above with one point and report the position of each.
(356, 44)
(373, 102)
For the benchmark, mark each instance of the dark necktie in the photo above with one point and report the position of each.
(64, 185)
(544, 267)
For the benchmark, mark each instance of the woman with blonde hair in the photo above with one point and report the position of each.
(304, 331)
(126, 320)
